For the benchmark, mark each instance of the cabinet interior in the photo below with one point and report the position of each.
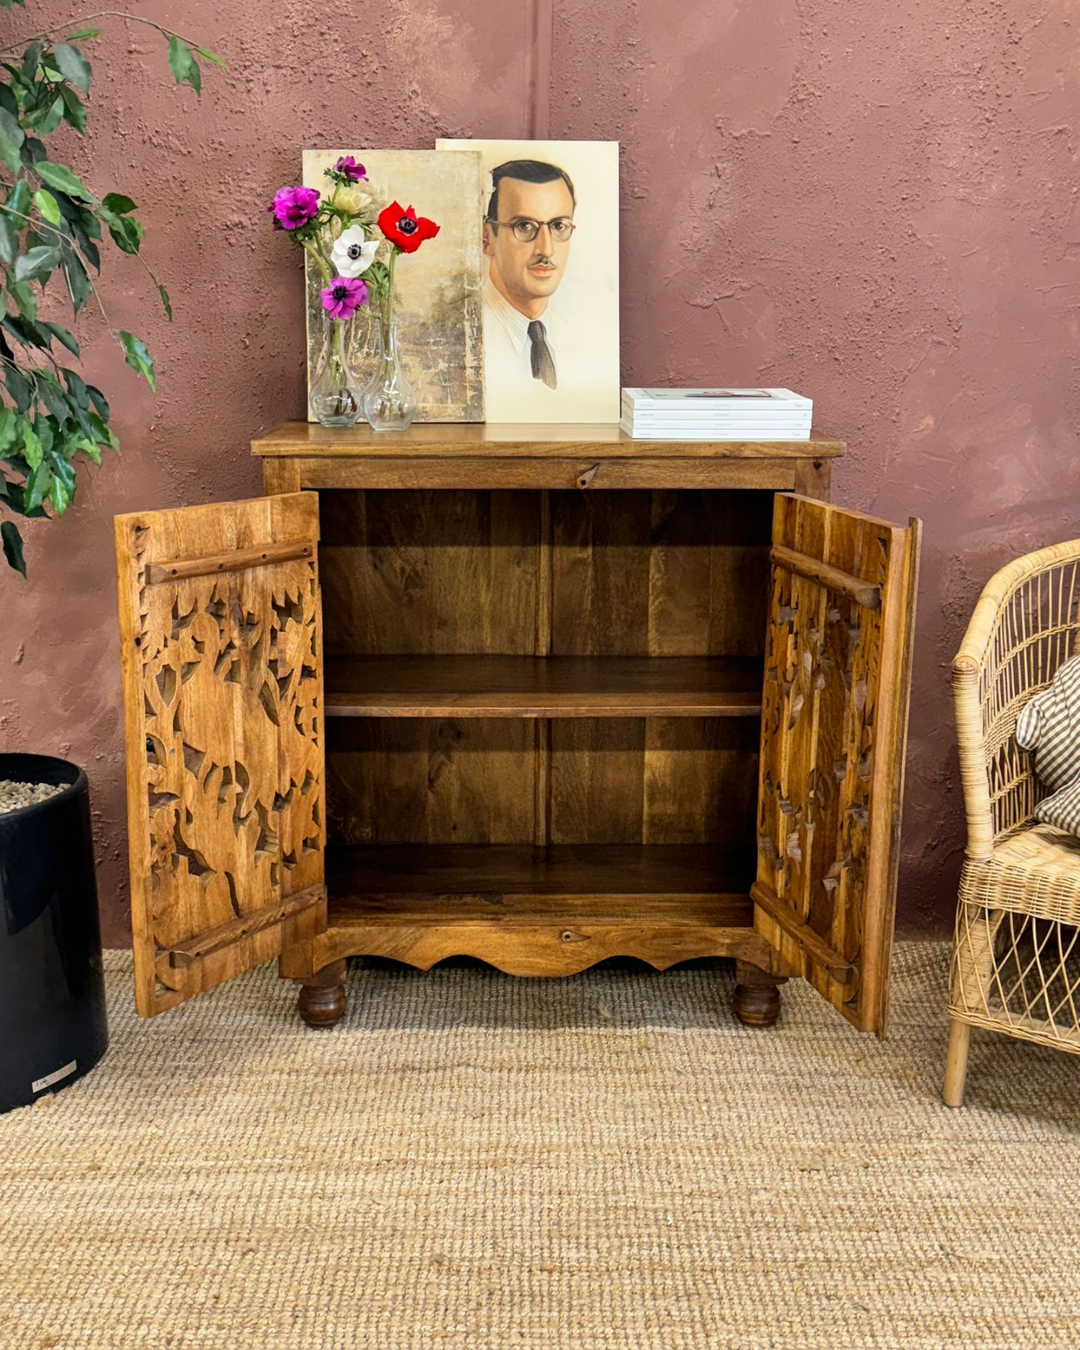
(573, 672)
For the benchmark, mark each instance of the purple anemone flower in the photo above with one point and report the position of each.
(344, 296)
(349, 167)
(294, 207)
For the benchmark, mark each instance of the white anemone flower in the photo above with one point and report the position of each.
(353, 252)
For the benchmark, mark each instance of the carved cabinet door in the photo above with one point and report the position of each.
(833, 731)
(221, 638)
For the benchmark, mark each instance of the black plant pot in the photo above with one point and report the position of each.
(52, 991)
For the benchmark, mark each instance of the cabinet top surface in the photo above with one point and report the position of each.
(479, 440)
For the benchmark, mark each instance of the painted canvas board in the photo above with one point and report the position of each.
(440, 327)
(551, 292)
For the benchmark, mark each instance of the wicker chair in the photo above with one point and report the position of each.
(1016, 957)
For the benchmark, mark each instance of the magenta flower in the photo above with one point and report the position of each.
(344, 296)
(294, 207)
(348, 166)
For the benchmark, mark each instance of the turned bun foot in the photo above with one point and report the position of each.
(756, 1007)
(757, 996)
(322, 1001)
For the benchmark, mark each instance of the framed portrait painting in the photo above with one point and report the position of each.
(438, 288)
(549, 231)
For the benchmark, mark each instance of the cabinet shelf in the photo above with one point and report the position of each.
(452, 883)
(543, 686)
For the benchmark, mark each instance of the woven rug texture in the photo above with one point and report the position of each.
(605, 1162)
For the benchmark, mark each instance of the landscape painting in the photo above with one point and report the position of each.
(438, 288)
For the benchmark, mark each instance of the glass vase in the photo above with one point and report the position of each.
(336, 397)
(389, 397)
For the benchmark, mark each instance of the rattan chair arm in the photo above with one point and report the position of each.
(971, 742)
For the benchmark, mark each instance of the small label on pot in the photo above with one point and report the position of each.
(39, 1084)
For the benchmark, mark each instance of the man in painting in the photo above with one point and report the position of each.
(527, 233)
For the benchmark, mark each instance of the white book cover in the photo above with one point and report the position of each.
(740, 429)
(708, 420)
(718, 397)
(743, 411)
(704, 423)
(727, 434)
(723, 437)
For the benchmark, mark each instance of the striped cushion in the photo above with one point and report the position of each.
(1049, 727)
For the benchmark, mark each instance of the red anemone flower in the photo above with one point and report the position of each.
(404, 229)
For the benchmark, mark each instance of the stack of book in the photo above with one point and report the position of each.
(716, 414)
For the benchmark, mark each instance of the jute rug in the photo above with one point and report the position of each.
(606, 1162)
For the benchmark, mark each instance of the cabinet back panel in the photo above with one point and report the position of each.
(633, 573)
(659, 573)
(659, 780)
(422, 571)
(602, 781)
(431, 780)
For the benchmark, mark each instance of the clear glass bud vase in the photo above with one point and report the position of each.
(389, 397)
(336, 397)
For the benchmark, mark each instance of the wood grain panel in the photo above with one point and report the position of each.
(699, 781)
(653, 781)
(591, 475)
(708, 573)
(542, 686)
(520, 438)
(434, 780)
(600, 573)
(430, 572)
(659, 573)
(498, 879)
(596, 792)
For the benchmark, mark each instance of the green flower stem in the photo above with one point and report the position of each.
(313, 250)
(387, 307)
(339, 344)
(320, 262)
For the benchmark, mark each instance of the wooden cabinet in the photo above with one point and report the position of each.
(535, 695)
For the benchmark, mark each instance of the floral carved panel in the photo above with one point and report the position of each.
(833, 725)
(223, 686)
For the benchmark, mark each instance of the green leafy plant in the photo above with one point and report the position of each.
(51, 420)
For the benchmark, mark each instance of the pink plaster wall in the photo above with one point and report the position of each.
(873, 203)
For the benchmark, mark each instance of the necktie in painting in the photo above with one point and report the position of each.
(543, 363)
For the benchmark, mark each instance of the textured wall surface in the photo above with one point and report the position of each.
(875, 204)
